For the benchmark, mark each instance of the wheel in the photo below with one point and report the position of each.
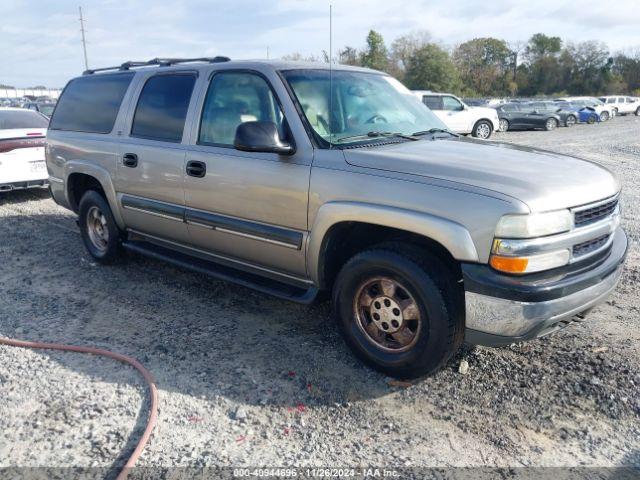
(592, 119)
(482, 129)
(551, 124)
(638, 112)
(99, 231)
(570, 121)
(400, 311)
(615, 112)
(604, 116)
(504, 124)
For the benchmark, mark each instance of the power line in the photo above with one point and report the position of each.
(84, 42)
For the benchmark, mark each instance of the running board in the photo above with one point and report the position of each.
(303, 294)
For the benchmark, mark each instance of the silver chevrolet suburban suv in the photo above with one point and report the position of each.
(299, 179)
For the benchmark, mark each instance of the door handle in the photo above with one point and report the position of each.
(196, 169)
(130, 160)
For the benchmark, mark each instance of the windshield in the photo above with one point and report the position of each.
(363, 105)
(10, 119)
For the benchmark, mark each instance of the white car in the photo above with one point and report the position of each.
(22, 140)
(604, 111)
(480, 122)
(622, 105)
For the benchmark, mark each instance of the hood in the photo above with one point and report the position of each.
(488, 111)
(543, 180)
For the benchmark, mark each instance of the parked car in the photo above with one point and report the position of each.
(622, 105)
(604, 111)
(480, 122)
(45, 108)
(255, 172)
(568, 115)
(522, 116)
(22, 140)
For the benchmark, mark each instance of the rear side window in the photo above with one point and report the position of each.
(433, 102)
(162, 107)
(10, 119)
(91, 103)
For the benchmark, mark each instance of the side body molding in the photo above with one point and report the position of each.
(102, 175)
(453, 236)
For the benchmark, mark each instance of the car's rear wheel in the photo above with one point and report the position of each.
(398, 310)
(592, 119)
(551, 124)
(504, 125)
(100, 233)
(604, 116)
(638, 112)
(482, 129)
(570, 121)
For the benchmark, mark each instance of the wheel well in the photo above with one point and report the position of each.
(78, 184)
(346, 239)
(483, 120)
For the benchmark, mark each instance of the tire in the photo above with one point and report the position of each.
(638, 112)
(99, 231)
(550, 124)
(570, 121)
(615, 112)
(604, 116)
(482, 129)
(437, 303)
(592, 119)
(504, 124)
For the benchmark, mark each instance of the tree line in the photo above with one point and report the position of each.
(484, 67)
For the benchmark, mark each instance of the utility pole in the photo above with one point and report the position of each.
(84, 42)
(267, 52)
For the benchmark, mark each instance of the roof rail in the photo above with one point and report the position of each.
(158, 62)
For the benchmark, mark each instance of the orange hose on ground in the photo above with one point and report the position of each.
(153, 391)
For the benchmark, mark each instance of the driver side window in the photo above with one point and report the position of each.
(232, 99)
(451, 104)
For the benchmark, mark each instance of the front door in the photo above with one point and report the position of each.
(150, 169)
(250, 208)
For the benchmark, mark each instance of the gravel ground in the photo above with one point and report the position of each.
(248, 380)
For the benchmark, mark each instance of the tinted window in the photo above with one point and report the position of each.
(510, 108)
(91, 103)
(162, 107)
(451, 104)
(21, 119)
(433, 102)
(234, 98)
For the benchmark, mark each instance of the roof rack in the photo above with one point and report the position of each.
(159, 62)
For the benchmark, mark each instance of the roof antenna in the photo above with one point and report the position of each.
(84, 42)
(330, 74)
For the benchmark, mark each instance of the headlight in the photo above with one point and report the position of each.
(534, 224)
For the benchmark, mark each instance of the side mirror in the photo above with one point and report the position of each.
(261, 137)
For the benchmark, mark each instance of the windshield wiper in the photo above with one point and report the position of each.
(434, 130)
(377, 134)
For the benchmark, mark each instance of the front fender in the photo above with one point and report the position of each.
(451, 235)
(103, 176)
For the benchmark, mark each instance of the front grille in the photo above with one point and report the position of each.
(593, 214)
(589, 246)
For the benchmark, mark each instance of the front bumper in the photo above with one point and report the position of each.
(502, 309)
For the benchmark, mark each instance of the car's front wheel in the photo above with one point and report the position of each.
(570, 121)
(504, 125)
(399, 310)
(482, 129)
(604, 116)
(100, 233)
(551, 124)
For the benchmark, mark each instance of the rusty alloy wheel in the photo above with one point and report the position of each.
(387, 314)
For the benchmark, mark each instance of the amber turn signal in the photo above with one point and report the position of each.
(509, 264)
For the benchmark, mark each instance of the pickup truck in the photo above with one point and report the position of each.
(301, 180)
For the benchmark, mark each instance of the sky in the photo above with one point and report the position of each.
(40, 42)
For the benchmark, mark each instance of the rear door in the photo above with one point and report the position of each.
(434, 102)
(150, 169)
